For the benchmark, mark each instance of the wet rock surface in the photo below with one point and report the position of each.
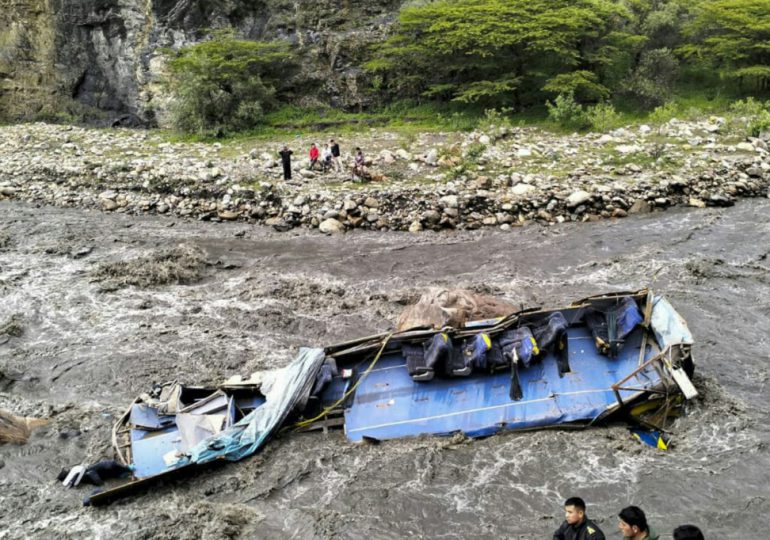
(86, 352)
(445, 181)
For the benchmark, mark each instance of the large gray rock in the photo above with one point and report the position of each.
(331, 226)
(577, 198)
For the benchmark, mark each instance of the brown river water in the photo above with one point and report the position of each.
(99, 324)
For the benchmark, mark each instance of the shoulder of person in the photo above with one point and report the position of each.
(593, 532)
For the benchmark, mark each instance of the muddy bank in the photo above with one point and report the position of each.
(496, 177)
(79, 352)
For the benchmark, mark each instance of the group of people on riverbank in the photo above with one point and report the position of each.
(327, 159)
(632, 523)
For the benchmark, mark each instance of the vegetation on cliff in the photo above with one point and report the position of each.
(225, 85)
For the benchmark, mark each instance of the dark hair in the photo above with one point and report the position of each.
(633, 515)
(688, 532)
(358, 148)
(577, 502)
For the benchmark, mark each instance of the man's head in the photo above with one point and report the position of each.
(331, 141)
(574, 510)
(312, 144)
(688, 532)
(632, 521)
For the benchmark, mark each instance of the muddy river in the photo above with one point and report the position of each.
(97, 307)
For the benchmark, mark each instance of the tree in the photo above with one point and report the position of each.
(733, 36)
(225, 84)
(503, 51)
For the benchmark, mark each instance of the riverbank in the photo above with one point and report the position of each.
(496, 177)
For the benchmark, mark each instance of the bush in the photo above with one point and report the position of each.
(759, 124)
(475, 151)
(749, 107)
(663, 113)
(603, 117)
(652, 80)
(567, 112)
(225, 85)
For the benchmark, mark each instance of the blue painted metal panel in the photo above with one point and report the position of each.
(250, 402)
(142, 415)
(149, 447)
(389, 404)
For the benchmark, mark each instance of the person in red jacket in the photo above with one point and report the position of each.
(313, 156)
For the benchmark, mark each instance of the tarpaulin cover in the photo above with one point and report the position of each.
(283, 389)
(669, 327)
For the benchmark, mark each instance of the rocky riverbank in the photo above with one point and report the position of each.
(497, 177)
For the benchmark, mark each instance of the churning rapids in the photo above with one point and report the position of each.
(89, 335)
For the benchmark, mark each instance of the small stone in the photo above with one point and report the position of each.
(449, 201)
(640, 206)
(371, 202)
(697, 203)
(619, 213)
(483, 182)
(432, 157)
(578, 198)
(228, 215)
(331, 226)
(745, 147)
(415, 227)
(431, 216)
(108, 204)
(522, 189)
(523, 152)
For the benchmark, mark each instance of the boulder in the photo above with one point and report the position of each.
(331, 226)
(522, 189)
(577, 198)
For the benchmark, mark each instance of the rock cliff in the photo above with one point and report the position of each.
(104, 59)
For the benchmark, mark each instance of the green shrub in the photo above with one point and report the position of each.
(652, 81)
(602, 117)
(663, 113)
(475, 151)
(759, 124)
(567, 112)
(749, 107)
(225, 85)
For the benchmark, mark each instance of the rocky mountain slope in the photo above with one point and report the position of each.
(105, 58)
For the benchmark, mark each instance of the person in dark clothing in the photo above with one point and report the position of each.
(633, 524)
(576, 524)
(335, 155)
(688, 532)
(286, 161)
(97, 473)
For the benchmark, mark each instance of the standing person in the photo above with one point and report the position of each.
(286, 162)
(576, 524)
(326, 158)
(313, 156)
(688, 532)
(633, 525)
(336, 155)
(358, 168)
